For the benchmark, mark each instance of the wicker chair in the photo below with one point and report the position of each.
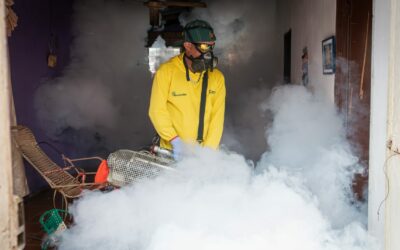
(59, 178)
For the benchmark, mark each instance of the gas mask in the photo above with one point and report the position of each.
(206, 60)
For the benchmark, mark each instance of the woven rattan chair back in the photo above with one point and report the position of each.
(56, 177)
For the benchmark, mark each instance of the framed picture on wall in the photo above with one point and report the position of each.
(328, 56)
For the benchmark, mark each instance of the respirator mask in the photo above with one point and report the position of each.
(201, 35)
(206, 60)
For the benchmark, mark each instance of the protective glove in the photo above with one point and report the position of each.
(177, 148)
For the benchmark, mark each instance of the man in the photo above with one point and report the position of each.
(187, 102)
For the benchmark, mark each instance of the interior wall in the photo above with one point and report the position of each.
(311, 21)
(392, 164)
(28, 50)
(6, 188)
(378, 122)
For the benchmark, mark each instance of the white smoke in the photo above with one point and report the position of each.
(307, 137)
(246, 120)
(106, 87)
(100, 102)
(299, 197)
(242, 29)
(246, 48)
(217, 201)
(159, 53)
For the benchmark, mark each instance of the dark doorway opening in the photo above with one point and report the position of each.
(287, 46)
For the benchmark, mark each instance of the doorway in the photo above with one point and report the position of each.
(353, 79)
(287, 54)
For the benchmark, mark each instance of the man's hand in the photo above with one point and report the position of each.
(177, 148)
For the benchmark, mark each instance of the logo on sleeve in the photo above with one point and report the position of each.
(178, 94)
(212, 92)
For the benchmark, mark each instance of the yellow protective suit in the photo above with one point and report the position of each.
(175, 104)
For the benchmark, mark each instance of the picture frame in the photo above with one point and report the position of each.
(329, 55)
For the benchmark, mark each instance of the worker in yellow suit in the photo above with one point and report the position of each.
(187, 102)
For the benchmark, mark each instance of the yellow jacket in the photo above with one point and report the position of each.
(175, 104)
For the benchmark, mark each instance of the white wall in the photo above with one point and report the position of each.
(378, 125)
(7, 238)
(311, 21)
(392, 208)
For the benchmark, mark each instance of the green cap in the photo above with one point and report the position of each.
(199, 31)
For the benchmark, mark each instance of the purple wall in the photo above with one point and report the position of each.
(28, 48)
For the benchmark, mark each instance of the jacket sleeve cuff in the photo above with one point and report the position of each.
(173, 138)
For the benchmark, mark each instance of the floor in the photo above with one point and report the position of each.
(34, 207)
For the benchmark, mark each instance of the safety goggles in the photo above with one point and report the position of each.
(204, 47)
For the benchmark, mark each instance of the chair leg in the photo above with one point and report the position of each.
(64, 200)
